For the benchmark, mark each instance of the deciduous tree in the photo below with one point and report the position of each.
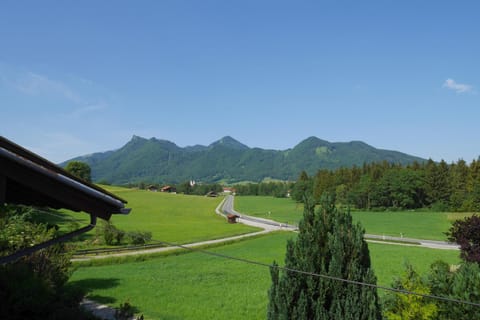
(80, 170)
(466, 233)
(400, 306)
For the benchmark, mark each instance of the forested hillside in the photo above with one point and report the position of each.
(160, 161)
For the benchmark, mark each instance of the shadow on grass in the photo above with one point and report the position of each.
(102, 299)
(88, 285)
(96, 283)
(54, 217)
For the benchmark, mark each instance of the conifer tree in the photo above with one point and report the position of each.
(329, 244)
(437, 183)
(458, 181)
(302, 186)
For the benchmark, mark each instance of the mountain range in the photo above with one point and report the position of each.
(227, 160)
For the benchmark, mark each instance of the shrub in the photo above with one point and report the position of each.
(139, 237)
(111, 234)
(33, 287)
(126, 311)
(466, 233)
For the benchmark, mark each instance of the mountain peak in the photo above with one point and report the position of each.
(313, 142)
(229, 142)
(137, 138)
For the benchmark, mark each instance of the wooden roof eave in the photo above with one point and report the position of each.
(28, 179)
(31, 184)
(42, 162)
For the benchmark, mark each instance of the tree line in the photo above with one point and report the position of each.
(277, 189)
(199, 189)
(438, 186)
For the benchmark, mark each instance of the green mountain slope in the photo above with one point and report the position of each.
(160, 161)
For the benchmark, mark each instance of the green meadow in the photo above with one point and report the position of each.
(199, 286)
(169, 217)
(412, 224)
(175, 217)
(193, 285)
(283, 210)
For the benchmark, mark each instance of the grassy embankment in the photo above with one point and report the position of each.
(412, 224)
(199, 286)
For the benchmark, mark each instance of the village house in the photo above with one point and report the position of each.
(169, 189)
(152, 188)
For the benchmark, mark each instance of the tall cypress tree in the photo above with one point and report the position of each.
(329, 244)
(458, 181)
(437, 183)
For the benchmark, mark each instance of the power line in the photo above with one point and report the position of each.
(360, 283)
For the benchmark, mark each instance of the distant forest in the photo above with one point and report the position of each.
(386, 186)
(438, 186)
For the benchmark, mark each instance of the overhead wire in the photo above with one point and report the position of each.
(283, 268)
(313, 274)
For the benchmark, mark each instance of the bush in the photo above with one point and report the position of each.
(33, 287)
(111, 234)
(406, 306)
(461, 283)
(139, 237)
(126, 311)
(465, 233)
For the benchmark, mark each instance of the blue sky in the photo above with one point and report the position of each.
(78, 77)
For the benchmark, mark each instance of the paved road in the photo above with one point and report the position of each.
(266, 224)
(228, 207)
(434, 244)
(164, 249)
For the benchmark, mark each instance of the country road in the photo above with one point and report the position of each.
(266, 224)
(228, 208)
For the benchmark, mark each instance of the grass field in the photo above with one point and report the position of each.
(279, 209)
(412, 224)
(175, 217)
(169, 217)
(422, 225)
(198, 286)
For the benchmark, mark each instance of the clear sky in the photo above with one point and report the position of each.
(78, 77)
